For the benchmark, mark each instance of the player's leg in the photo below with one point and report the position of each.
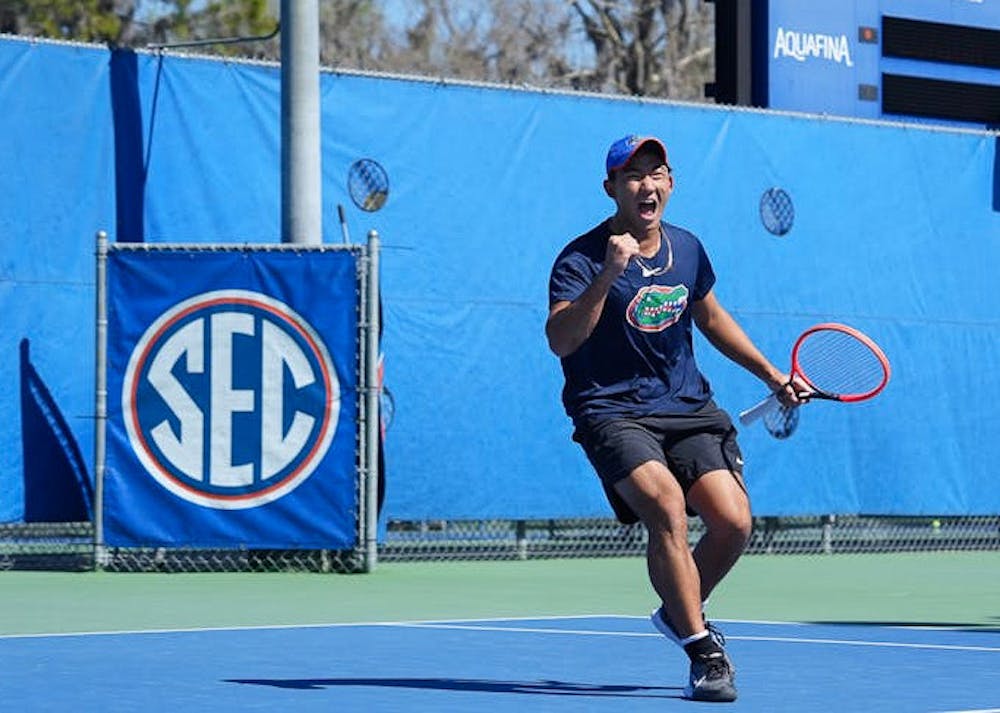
(630, 460)
(709, 464)
(658, 499)
(628, 456)
(700, 458)
(721, 501)
(654, 495)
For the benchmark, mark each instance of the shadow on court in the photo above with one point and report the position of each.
(545, 688)
(973, 628)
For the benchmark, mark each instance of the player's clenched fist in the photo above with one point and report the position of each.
(621, 248)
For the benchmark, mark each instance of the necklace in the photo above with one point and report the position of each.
(648, 271)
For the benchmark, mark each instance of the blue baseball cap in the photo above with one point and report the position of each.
(622, 150)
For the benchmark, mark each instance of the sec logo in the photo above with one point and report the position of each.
(230, 399)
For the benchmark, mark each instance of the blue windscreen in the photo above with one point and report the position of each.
(896, 231)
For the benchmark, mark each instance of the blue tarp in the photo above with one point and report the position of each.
(897, 232)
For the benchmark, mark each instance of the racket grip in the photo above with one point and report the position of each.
(756, 411)
(343, 224)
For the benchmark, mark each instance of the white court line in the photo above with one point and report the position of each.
(529, 630)
(768, 622)
(635, 634)
(196, 630)
(280, 627)
(478, 625)
(887, 644)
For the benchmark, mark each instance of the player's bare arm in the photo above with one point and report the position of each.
(571, 323)
(726, 335)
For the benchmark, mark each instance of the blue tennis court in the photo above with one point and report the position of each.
(580, 663)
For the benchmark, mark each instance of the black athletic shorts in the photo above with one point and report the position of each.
(689, 444)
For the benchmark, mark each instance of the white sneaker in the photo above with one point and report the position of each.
(662, 623)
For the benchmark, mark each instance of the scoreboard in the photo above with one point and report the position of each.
(922, 60)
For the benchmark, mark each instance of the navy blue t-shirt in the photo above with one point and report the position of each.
(639, 360)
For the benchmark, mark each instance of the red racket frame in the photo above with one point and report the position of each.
(856, 334)
(753, 413)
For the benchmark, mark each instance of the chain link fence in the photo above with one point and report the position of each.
(70, 546)
(537, 539)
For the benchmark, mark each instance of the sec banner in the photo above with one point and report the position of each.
(232, 410)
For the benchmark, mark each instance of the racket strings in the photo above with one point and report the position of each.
(776, 211)
(368, 184)
(839, 363)
(368, 177)
(781, 421)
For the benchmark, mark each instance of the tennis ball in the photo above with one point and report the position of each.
(936, 524)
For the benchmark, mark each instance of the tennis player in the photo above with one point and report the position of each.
(622, 299)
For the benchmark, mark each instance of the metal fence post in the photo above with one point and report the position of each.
(100, 397)
(371, 434)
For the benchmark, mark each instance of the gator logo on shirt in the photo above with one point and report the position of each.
(656, 307)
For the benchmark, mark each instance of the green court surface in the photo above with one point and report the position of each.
(954, 588)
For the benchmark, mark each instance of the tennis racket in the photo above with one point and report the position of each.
(781, 421)
(368, 184)
(837, 363)
(777, 212)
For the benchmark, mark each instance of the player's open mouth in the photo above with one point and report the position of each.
(647, 209)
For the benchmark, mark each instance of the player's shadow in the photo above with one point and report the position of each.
(544, 688)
